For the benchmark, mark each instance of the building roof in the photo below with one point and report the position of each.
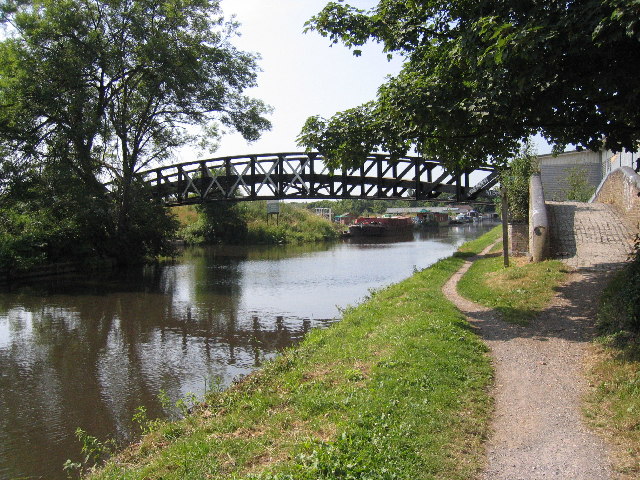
(422, 210)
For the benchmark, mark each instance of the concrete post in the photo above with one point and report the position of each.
(538, 221)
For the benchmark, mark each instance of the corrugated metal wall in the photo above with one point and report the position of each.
(555, 171)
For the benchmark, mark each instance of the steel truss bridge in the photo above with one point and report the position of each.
(305, 176)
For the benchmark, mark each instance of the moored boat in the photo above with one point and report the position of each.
(380, 226)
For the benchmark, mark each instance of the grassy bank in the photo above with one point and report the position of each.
(614, 404)
(295, 224)
(518, 292)
(396, 390)
(247, 223)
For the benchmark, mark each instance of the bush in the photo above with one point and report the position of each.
(580, 190)
(516, 180)
(49, 220)
(620, 306)
(247, 223)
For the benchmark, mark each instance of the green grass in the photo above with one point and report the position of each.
(518, 292)
(474, 247)
(396, 390)
(613, 405)
(295, 225)
(246, 223)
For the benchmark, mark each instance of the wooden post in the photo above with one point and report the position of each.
(505, 226)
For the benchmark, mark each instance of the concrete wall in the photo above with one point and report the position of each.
(532, 239)
(554, 171)
(621, 188)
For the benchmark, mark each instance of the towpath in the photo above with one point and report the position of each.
(538, 430)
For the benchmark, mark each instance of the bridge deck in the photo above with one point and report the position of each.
(305, 176)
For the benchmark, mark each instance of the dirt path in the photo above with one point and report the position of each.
(538, 430)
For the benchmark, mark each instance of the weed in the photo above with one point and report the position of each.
(144, 423)
(94, 452)
(613, 406)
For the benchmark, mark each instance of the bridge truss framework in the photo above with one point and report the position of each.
(305, 176)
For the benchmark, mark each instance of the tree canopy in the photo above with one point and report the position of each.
(93, 91)
(481, 77)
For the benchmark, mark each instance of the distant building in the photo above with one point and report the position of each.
(416, 210)
(324, 213)
(555, 171)
(345, 218)
(465, 208)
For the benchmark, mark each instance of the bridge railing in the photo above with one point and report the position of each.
(305, 175)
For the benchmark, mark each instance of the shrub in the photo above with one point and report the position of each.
(516, 181)
(247, 223)
(580, 190)
(620, 306)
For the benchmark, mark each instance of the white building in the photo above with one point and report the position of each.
(555, 171)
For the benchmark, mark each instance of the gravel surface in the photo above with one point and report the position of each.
(538, 429)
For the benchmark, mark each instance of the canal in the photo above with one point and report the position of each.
(86, 352)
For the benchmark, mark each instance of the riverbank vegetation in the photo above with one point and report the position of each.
(397, 389)
(247, 223)
(91, 94)
(614, 404)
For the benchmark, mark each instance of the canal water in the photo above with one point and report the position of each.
(86, 352)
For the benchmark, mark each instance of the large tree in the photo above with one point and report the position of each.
(479, 77)
(98, 90)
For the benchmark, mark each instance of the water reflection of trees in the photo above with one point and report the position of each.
(257, 252)
(87, 352)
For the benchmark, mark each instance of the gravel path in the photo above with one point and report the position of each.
(538, 431)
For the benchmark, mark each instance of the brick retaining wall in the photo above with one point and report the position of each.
(621, 189)
(518, 239)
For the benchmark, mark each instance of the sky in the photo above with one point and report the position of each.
(302, 74)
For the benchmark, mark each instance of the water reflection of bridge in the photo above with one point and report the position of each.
(305, 176)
